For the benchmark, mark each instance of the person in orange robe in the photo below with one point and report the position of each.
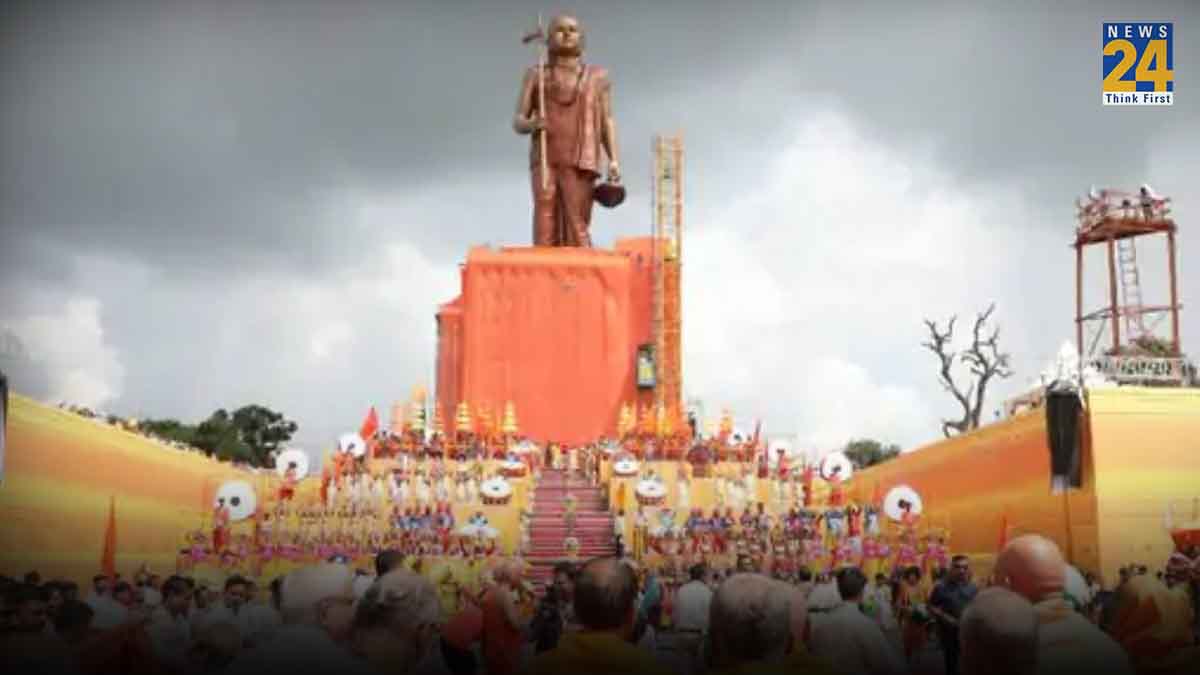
(287, 489)
(326, 479)
(220, 537)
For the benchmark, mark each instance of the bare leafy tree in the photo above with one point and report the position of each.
(984, 360)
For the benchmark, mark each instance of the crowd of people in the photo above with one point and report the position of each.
(606, 615)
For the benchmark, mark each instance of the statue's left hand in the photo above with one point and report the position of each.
(614, 172)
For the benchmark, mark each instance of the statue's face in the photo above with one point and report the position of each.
(566, 36)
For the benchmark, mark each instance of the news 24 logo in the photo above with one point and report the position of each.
(1138, 64)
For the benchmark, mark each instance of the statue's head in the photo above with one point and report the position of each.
(566, 37)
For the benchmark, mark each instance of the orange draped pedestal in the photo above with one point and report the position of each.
(554, 330)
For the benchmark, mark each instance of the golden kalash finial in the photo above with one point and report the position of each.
(726, 422)
(416, 416)
(509, 425)
(463, 418)
(625, 422)
(398, 421)
(438, 426)
(483, 420)
(647, 423)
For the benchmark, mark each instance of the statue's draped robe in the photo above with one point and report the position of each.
(562, 213)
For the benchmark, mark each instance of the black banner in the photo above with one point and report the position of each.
(1063, 418)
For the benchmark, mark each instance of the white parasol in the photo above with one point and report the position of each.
(238, 496)
(897, 497)
(289, 457)
(353, 444)
(836, 463)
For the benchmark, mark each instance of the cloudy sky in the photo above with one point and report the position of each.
(207, 204)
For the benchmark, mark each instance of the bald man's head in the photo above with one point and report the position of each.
(1033, 566)
(509, 571)
(320, 595)
(751, 619)
(999, 634)
(604, 594)
(501, 573)
(566, 36)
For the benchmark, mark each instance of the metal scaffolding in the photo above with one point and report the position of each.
(667, 191)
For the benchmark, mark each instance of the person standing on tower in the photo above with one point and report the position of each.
(567, 106)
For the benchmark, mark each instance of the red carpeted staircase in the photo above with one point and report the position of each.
(593, 523)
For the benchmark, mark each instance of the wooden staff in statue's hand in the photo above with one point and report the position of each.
(523, 124)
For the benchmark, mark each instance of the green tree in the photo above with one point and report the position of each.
(866, 452)
(170, 429)
(262, 431)
(217, 436)
(251, 434)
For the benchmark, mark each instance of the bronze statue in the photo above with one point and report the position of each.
(569, 105)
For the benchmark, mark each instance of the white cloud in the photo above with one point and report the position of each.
(804, 297)
(328, 339)
(843, 400)
(69, 347)
(324, 350)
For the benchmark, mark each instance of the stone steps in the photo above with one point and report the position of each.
(593, 523)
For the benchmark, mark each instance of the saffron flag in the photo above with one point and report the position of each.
(370, 427)
(3, 421)
(108, 559)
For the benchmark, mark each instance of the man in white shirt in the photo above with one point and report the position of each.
(231, 606)
(692, 604)
(108, 612)
(101, 592)
(170, 630)
(850, 640)
(824, 596)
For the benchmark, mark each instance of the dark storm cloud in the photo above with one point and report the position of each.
(203, 134)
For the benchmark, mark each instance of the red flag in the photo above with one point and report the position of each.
(108, 559)
(369, 427)
(1003, 541)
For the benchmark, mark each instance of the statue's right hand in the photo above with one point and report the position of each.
(528, 125)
